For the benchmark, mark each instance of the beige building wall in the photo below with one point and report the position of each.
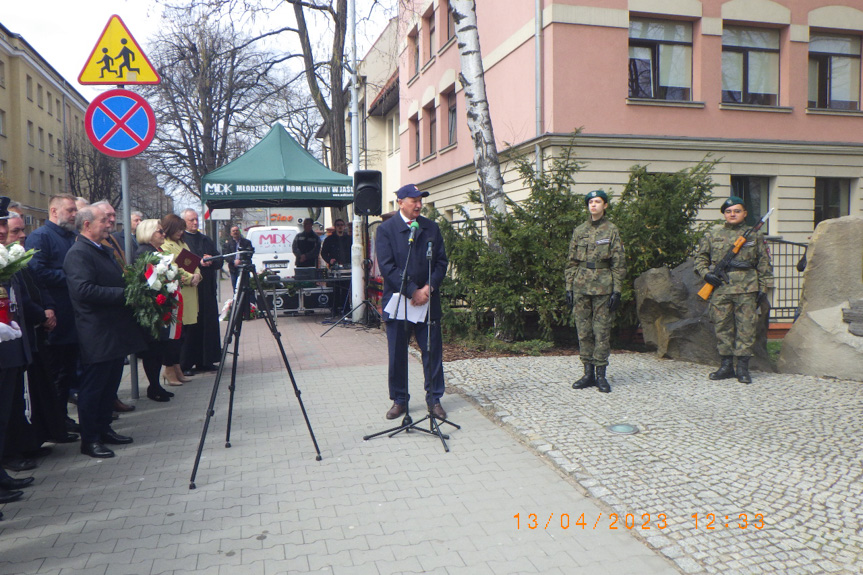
(39, 109)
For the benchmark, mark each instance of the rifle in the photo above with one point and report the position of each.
(721, 267)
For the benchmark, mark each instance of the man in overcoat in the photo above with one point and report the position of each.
(107, 330)
(51, 242)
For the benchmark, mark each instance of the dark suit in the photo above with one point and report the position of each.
(202, 345)
(392, 252)
(107, 332)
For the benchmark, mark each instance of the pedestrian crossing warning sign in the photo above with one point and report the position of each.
(118, 59)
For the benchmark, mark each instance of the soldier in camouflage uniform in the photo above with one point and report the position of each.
(733, 304)
(594, 278)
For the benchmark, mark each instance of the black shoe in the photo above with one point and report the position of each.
(166, 392)
(9, 496)
(188, 372)
(111, 437)
(10, 483)
(97, 450)
(601, 382)
(157, 395)
(37, 453)
(19, 464)
(743, 370)
(71, 426)
(588, 380)
(66, 438)
(726, 369)
(209, 367)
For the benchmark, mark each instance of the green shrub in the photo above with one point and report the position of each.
(520, 267)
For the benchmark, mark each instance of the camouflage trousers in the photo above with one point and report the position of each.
(734, 317)
(593, 322)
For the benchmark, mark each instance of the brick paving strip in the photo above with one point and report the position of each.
(786, 447)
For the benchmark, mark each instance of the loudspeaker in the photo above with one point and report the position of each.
(367, 192)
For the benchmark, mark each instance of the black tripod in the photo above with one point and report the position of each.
(407, 423)
(372, 314)
(239, 309)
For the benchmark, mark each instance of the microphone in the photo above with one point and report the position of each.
(414, 227)
(429, 251)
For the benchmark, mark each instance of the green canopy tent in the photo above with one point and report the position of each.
(276, 172)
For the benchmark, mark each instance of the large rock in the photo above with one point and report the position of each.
(820, 342)
(675, 320)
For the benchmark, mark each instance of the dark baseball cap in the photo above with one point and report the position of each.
(4, 207)
(410, 191)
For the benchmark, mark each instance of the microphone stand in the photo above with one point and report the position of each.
(434, 427)
(407, 423)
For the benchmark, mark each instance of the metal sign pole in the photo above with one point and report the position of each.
(127, 237)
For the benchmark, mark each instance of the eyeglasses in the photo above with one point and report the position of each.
(160, 232)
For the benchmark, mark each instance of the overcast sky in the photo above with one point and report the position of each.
(64, 32)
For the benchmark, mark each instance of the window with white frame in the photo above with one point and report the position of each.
(834, 72)
(430, 36)
(450, 22)
(660, 60)
(451, 117)
(750, 66)
(431, 129)
(415, 137)
(414, 51)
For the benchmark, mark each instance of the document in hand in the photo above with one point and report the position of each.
(187, 260)
(399, 306)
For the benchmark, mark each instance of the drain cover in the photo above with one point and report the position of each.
(623, 429)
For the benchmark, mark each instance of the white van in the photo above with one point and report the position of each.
(273, 248)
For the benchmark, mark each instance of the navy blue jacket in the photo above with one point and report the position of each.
(52, 243)
(391, 245)
(106, 327)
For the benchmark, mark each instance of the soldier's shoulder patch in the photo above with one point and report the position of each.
(605, 241)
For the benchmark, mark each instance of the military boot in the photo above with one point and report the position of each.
(601, 382)
(743, 369)
(589, 380)
(726, 368)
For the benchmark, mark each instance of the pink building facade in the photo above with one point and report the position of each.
(769, 88)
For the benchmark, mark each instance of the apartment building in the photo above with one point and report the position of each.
(39, 111)
(769, 88)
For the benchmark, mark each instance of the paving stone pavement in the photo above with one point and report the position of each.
(784, 449)
(266, 506)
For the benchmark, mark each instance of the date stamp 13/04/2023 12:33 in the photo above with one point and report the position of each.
(643, 521)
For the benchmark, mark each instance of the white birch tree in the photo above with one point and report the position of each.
(472, 79)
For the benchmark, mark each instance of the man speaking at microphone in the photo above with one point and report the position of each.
(407, 232)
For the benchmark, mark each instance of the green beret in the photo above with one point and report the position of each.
(732, 201)
(596, 194)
